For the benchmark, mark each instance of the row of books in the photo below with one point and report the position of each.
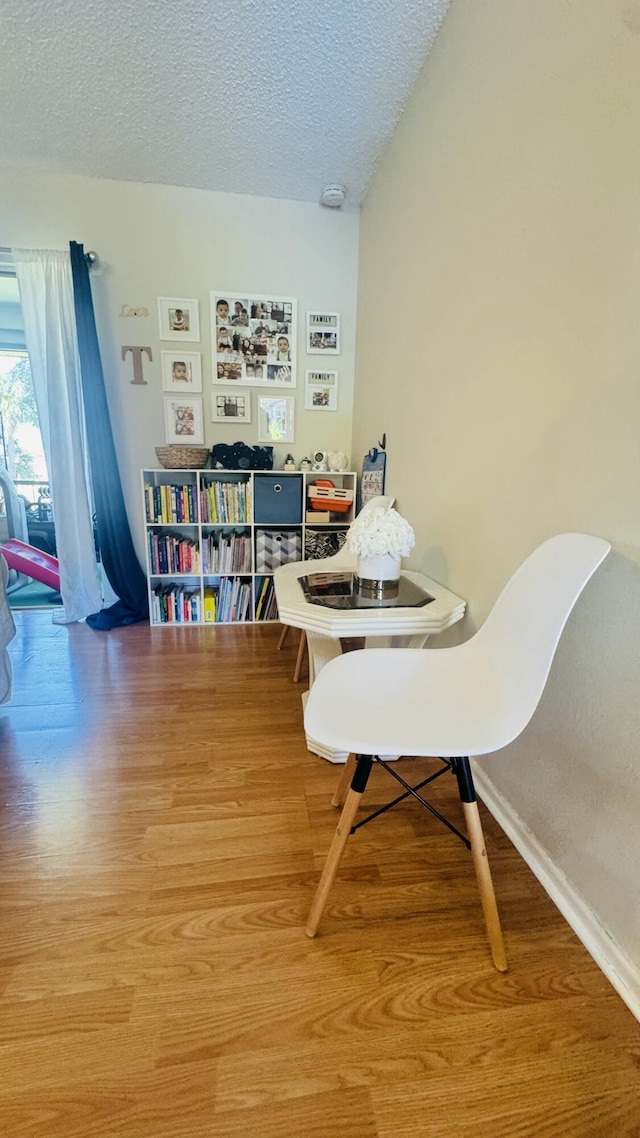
(227, 601)
(266, 606)
(175, 604)
(227, 553)
(166, 504)
(222, 502)
(171, 554)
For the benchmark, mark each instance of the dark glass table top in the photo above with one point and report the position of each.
(339, 591)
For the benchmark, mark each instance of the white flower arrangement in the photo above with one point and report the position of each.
(379, 530)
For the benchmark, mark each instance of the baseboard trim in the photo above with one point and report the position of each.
(617, 966)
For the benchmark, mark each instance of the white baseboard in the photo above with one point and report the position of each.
(617, 966)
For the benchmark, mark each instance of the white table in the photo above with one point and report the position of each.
(325, 627)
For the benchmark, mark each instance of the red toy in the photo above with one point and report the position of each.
(32, 562)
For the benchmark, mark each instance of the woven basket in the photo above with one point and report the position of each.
(179, 457)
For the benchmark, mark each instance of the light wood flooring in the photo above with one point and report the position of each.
(162, 832)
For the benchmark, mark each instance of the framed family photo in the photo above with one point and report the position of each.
(254, 339)
(182, 371)
(323, 333)
(183, 420)
(179, 318)
(321, 390)
(231, 407)
(275, 418)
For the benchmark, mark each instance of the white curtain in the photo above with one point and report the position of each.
(46, 295)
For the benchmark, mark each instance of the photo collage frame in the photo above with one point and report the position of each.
(254, 339)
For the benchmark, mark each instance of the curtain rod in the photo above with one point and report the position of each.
(6, 260)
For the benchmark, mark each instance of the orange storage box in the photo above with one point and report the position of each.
(323, 495)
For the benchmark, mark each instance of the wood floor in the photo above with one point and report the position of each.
(162, 833)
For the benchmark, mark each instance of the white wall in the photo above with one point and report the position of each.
(499, 348)
(165, 241)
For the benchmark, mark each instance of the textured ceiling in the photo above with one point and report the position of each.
(257, 96)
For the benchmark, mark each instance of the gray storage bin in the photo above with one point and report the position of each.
(277, 499)
(276, 547)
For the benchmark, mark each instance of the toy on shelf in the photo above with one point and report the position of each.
(324, 495)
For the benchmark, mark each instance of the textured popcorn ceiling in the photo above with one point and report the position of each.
(271, 97)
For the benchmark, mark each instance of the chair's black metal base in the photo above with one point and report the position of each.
(460, 767)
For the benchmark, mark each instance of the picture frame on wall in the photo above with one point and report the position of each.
(320, 390)
(179, 318)
(276, 415)
(183, 419)
(254, 338)
(323, 333)
(230, 406)
(182, 371)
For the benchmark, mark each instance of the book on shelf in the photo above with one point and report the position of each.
(171, 554)
(225, 502)
(272, 608)
(262, 585)
(171, 504)
(209, 604)
(175, 604)
(227, 553)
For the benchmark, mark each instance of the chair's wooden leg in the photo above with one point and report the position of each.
(345, 781)
(300, 657)
(283, 635)
(485, 885)
(343, 829)
(481, 862)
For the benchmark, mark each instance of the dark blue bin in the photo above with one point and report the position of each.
(277, 499)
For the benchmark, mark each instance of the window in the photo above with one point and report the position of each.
(21, 450)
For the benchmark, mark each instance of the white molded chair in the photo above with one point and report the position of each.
(343, 561)
(450, 702)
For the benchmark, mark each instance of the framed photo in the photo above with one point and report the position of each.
(179, 319)
(275, 418)
(323, 333)
(183, 419)
(254, 339)
(231, 406)
(182, 371)
(321, 390)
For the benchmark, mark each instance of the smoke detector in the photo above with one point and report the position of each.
(333, 195)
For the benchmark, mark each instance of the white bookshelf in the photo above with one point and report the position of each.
(214, 537)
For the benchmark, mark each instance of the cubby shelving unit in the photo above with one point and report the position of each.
(214, 538)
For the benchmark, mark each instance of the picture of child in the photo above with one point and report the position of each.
(222, 311)
(282, 350)
(256, 336)
(181, 371)
(184, 422)
(323, 341)
(179, 320)
(240, 316)
(225, 341)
